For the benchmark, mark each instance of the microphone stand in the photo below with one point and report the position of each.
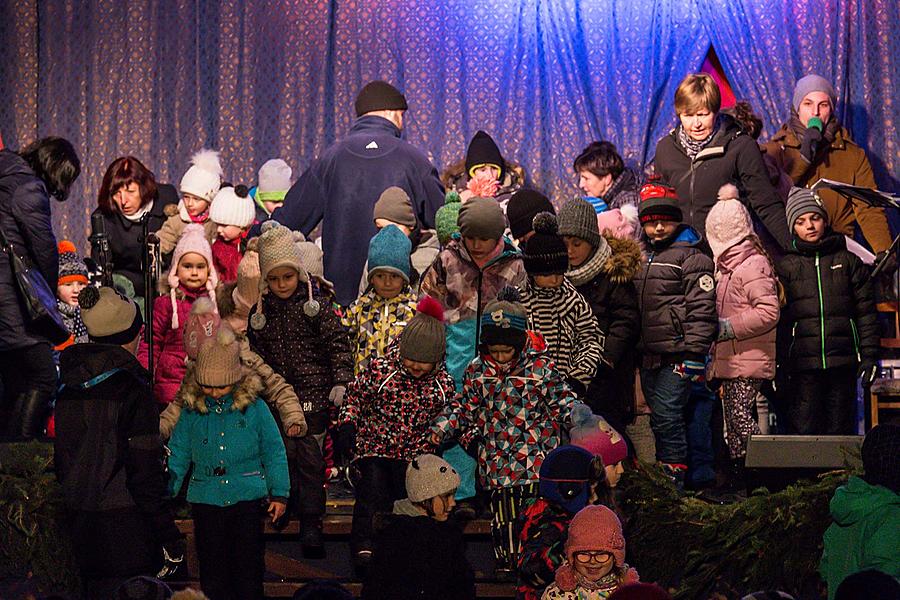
(101, 253)
(152, 264)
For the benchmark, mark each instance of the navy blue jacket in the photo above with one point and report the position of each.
(340, 190)
(25, 221)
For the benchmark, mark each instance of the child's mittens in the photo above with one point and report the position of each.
(694, 370)
(336, 395)
(726, 331)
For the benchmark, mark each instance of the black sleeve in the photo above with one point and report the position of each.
(700, 303)
(31, 210)
(761, 196)
(624, 322)
(864, 311)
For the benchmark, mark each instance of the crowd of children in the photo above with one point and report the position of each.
(494, 351)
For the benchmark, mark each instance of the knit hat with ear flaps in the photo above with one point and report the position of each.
(192, 240)
(446, 219)
(809, 84)
(379, 95)
(483, 151)
(219, 359)
(521, 209)
(429, 476)
(481, 218)
(801, 201)
(577, 218)
(395, 206)
(389, 250)
(71, 266)
(504, 320)
(233, 206)
(545, 253)
(201, 326)
(109, 317)
(274, 181)
(728, 222)
(595, 528)
(423, 339)
(204, 176)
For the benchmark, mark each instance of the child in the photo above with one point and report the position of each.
(382, 311)
(516, 401)
(602, 269)
(245, 464)
(677, 296)
(73, 277)
(743, 357)
(234, 213)
(273, 184)
(485, 173)
(191, 276)
(395, 208)
(595, 558)
(555, 308)
(238, 297)
(446, 217)
(571, 478)
(420, 551)
(834, 330)
(202, 325)
(595, 435)
(391, 405)
(523, 207)
(296, 332)
(198, 188)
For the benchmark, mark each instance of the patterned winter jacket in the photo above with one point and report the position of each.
(392, 410)
(311, 353)
(374, 322)
(464, 290)
(565, 320)
(517, 412)
(544, 527)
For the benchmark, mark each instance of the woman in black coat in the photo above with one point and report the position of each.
(707, 150)
(46, 168)
(128, 196)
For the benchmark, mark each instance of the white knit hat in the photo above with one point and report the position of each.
(233, 206)
(274, 181)
(204, 176)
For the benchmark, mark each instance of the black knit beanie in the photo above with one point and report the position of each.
(521, 209)
(659, 203)
(379, 95)
(546, 252)
(483, 150)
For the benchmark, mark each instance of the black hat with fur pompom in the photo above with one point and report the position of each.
(545, 253)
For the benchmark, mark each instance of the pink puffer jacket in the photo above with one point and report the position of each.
(746, 295)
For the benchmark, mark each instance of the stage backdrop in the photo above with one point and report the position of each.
(261, 79)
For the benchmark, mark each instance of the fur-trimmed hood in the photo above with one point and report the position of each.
(245, 392)
(624, 261)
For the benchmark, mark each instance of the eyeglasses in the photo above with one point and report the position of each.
(597, 557)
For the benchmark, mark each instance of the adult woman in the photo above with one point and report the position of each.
(128, 195)
(707, 150)
(45, 168)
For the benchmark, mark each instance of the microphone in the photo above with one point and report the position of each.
(809, 146)
(816, 123)
(98, 226)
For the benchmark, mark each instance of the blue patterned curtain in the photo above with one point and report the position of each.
(278, 77)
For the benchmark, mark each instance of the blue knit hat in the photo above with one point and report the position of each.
(566, 477)
(389, 250)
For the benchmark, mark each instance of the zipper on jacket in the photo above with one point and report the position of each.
(821, 309)
(793, 339)
(855, 340)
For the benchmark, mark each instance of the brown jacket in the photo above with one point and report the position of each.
(843, 161)
(276, 392)
(177, 220)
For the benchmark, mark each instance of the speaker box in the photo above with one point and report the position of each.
(776, 461)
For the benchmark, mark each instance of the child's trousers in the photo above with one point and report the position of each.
(506, 505)
(823, 402)
(739, 399)
(666, 393)
(230, 549)
(381, 482)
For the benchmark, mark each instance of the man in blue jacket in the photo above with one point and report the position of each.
(341, 187)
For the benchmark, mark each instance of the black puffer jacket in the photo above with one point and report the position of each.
(108, 460)
(830, 308)
(677, 296)
(25, 221)
(125, 237)
(613, 299)
(311, 353)
(730, 157)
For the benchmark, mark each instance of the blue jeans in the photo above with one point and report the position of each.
(701, 457)
(667, 394)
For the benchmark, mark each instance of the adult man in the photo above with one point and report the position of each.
(813, 145)
(341, 187)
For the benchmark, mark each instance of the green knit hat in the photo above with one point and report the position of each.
(446, 217)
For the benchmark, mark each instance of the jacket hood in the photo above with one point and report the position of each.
(684, 235)
(13, 164)
(244, 393)
(830, 243)
(373, 123)
(80, 363)
(624, 262)
(734, 256)
(858, 500)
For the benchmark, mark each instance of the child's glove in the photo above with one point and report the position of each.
(867, 372)
(726, 331)
(336, 395)
(694, 370)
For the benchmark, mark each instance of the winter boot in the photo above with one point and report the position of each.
(311, 540)
(28, 415)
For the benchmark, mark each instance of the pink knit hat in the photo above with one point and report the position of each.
(621, 222)
(192, 240)
(594, 434)
(728, 222)
(201, 326)
(595, 528)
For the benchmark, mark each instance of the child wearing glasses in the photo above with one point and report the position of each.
(595, 558)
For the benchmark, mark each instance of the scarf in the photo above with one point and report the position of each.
(201, 218)
(136, 217)
(831, 129)
(592, 266)
(693, 147)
